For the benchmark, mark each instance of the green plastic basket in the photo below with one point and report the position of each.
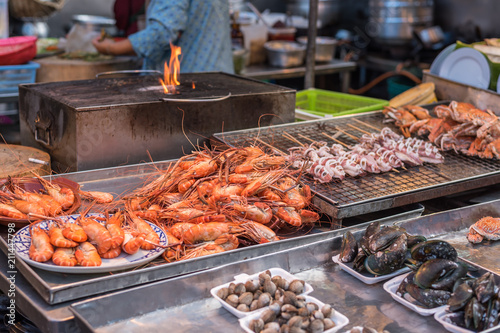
(324, 103)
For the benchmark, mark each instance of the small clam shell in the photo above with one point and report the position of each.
(223, 293)
(300, 304)
(257, 294)
(305, 323)
(295, 321)
(304, 312)
(296, 286)
(279, 292)
(284, 328)
(270, 330)
(280, 282)
(311, 307)
(318, 314)
(301, 298)
(273, 326)
(256, 325)
(295, 329)
(327, 310)
(268, 316)
(276, 307)
(254, 305)
(231, 288)
(289, 308)
(264, 300)
(317, 326)
(263, 277)
(252, 285)
(287, 315)
(246, 298)
(289, 298)
(269, 287)
(232, 300)
(328, 323)
(243, 308)
(239, 289)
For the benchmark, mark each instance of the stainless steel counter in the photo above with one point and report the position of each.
(263, 72)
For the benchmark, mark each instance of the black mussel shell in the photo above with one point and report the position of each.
(430, 298)
(433, 249)
(349, 248)
(484, 287)
(414, 240)
(431, 271)
(460, 297)
(389, 260)
(384, 238)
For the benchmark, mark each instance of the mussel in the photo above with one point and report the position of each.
(439, 274)
(389, 260)
(484, 287)
(384, 238)
(433, 249)
(349, 248)
(430, 298)
(460, 297)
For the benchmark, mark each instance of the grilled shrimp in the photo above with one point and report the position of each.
(27, 207)
(9, 211)
(74, 232)
(64, 256)
(40, 250)
(57, 238)
(150, 236)
(114, 226)
(131, 244)
(99, 197)
(86, 255)
(208, 232)
(258, 212)
(96, 233)
(113, 253)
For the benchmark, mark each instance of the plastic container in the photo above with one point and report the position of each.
(244, 278)
(329, 103)
(392, 286)
(445, 318)
(17, 50)
(282, 33)
(325, 47)
(366, 277)
(338, 318)
(12, 76)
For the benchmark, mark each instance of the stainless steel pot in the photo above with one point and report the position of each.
(284, 53)
(328, 10)
(325, 47)
(392, 21)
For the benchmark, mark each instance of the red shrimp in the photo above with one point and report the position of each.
(131, 244)
(113, 253)
(151, 237)
(64, 256)
(96, 233)
(57, 238)
(99, 197)
(114, 226)
(40, 250)
(74, 232)
(9, 211)
(86, 255)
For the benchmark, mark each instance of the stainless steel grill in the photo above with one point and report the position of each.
(373, 192)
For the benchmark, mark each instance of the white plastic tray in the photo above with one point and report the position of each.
(367, 277)
(442, 316)
(392, 286)
(244, 278)
(338, 318)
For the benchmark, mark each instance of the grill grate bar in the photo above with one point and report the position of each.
(352, 191)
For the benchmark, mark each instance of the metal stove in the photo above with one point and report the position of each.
(91, 124)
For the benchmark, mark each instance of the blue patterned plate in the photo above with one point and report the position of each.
(22, 242)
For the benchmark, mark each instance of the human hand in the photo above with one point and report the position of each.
(103, 46)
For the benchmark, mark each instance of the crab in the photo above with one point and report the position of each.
(486, 228)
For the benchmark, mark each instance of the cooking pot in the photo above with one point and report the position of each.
(96, 22)
(328, 10)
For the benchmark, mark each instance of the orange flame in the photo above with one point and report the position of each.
(171, 71)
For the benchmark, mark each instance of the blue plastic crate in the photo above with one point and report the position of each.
(12, 76)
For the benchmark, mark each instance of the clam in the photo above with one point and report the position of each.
(243, 308)
(296, 286)
(328, 323)
(246, 298)
(317, 326)
(232, 300)
(252, 285)
(239, 289)
(222, 293)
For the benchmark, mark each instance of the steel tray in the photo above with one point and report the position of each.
(373, 192)
(56, 287)
(184, 304)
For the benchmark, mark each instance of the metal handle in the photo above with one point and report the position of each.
(43, 124)
(191, 100)
(130, 72)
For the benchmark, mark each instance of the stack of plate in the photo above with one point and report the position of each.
(465, 65)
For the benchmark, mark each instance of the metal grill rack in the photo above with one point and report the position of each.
(373, 192)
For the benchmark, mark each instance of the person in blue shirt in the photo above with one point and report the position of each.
(200, 27)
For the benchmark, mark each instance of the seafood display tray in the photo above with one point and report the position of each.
(186, 305)
(56, 288)
(373, 192)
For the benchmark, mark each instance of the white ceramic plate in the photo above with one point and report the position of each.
(392, 286)
(467, 66)
(242, 278)
(438, 61)
(338, 318)
(365, 276)
(443, 317)
(22, 242)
